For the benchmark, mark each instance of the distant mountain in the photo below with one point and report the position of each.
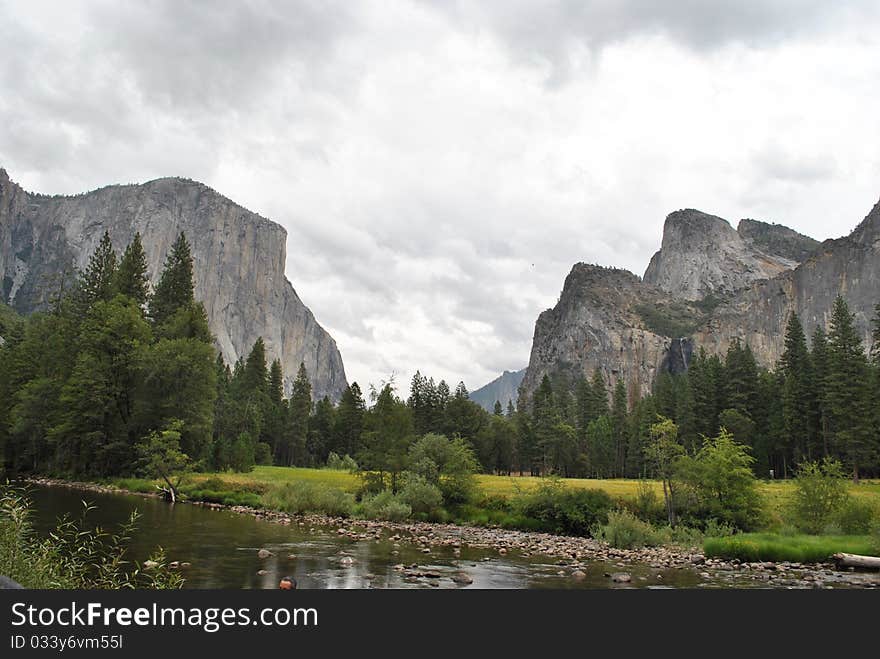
(504, 388)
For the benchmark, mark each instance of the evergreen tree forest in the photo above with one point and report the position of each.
(85, 385)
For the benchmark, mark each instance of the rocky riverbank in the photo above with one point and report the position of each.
(573, 555)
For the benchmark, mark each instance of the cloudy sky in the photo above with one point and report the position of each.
(439, 166)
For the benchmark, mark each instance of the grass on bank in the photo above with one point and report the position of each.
(800, 548)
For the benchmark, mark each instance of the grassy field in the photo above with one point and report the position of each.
(776, 494)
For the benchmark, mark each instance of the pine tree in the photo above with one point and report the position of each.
(498, 410)
(848, 390)
(619, 426)
(176, 284)
(276, 409)
(96, 282)
(131, 276)
(821, 366)
(299, 409)
(598, 396)
(321, 431)
(349, 421)
(798, 405)
(740, 378)
(545, 416)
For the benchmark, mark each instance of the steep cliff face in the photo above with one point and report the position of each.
(703, 255)
(849, 266)
(504, 389)
(627, 328)
(238, 258)
(598, 323)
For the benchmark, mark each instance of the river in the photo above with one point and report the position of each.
(222, 547)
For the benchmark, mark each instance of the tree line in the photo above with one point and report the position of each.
(113, 365)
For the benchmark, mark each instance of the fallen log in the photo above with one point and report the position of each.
(855, 560)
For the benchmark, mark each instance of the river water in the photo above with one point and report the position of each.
(222, 547)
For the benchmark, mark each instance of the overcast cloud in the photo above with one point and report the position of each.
(439, 166)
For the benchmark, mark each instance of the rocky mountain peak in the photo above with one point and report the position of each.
(703, 255)
(868, 230)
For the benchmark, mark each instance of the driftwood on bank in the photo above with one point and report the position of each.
(855, 560)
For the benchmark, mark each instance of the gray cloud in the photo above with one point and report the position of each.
(547, 32)
(436, 177)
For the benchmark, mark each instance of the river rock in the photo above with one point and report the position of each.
(262, 573)
(462, 578)
(579, 575)
(621, 577)
(264, 553)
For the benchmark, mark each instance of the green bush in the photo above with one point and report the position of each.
(303, 497)
(626, 531)
(241, 453)
(448, 464)
(344, 463)
(646, 505)
(263, 453)
(820, 493)
(855, 517)
(721, 484)
(420, 495)
(565, 511)
(385, 505)
(75, 555)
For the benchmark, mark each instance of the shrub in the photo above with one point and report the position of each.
(820, 492)
(75, 555)
(385, 505)
(716, 529)
(646, 504)
(345, 463)
(448, 464)
(241, 453)
(263, 454)
(855, 517)
(303, 497)
(722, 483)
(420, 495)
(626, 531)
(565, 511)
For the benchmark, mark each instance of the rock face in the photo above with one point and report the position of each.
(754, 278)
(504, 388)
(702, 254)
(598, 324)
(239, 260)
(849, 266)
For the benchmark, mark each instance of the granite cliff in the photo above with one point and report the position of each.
(239, 260)
(704, 255)
(708, 284)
